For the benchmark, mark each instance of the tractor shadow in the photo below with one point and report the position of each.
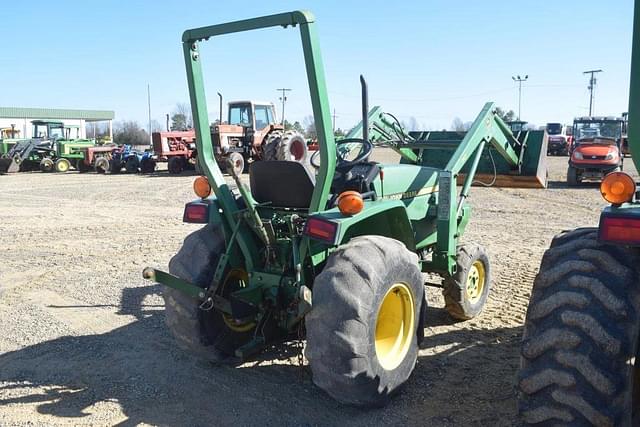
(562, 185)
(463, 376)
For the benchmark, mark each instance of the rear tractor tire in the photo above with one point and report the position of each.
(209, 335)
(82, 167)
(293, 147)
(175, 165)
(579, 349)
(62, 165)
(362, 332)
(147, 165)
(271, 145)
(46, 165)
(465, 293)
(102, 165)
(132, 164)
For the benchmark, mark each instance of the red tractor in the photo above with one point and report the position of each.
(177, 148)
(251, 133)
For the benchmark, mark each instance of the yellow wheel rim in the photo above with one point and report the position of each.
(236, 279)
(394, 326)
(63, 166)
(475, 282)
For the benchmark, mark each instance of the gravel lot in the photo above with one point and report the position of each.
(83, 341)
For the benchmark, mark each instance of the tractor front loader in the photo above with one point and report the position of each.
(336, 256)
(581, 341)
(25, 155)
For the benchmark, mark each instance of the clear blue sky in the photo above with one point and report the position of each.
(434, 60)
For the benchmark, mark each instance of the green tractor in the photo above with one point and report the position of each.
(51, 149)
(337, 255)
(581, 341)
(65, 151)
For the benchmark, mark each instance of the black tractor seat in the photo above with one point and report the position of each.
(283, 184)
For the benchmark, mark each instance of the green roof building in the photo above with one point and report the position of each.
(16, 121)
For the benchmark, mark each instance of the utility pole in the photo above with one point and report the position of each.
(283, 98)
(591, 87)
(334, 120)
(149, 107)
(520, 80)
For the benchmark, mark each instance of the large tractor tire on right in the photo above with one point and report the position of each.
(208, 334)
(362, 332)
(271, 145)
(580, 341)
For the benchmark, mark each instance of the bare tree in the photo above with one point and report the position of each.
(413, 124)
(156, 126)
(458, 125)
(129, 132)
(309, 127)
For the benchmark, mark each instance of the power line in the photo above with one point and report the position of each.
(591, 87)
(283, 98)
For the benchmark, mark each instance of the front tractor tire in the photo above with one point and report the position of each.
(362, 332)
(62, 165)
(207, 334)
(573, 177)
(465, 293)
(580, 342)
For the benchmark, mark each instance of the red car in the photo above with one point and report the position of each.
(559, 139)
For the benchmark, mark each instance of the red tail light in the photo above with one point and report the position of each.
(321, 230)
(196, 213)
(624, 230)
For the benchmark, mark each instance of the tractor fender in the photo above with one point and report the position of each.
(386, 218)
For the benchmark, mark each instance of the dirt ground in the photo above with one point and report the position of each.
(83, 341)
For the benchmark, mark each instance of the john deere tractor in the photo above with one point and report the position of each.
(335, 255)
(580, 349)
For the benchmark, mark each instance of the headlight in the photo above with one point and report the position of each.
(578, 155)
(612, 155)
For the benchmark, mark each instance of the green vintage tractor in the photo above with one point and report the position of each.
(581, 341)
(335, 255)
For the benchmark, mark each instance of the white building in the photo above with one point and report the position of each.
(18, 120)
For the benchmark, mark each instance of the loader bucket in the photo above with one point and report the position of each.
(437, 148)
(9, 165)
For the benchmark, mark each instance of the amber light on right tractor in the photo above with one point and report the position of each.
(618, 188)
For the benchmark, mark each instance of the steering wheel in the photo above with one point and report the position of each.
(342, 151)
